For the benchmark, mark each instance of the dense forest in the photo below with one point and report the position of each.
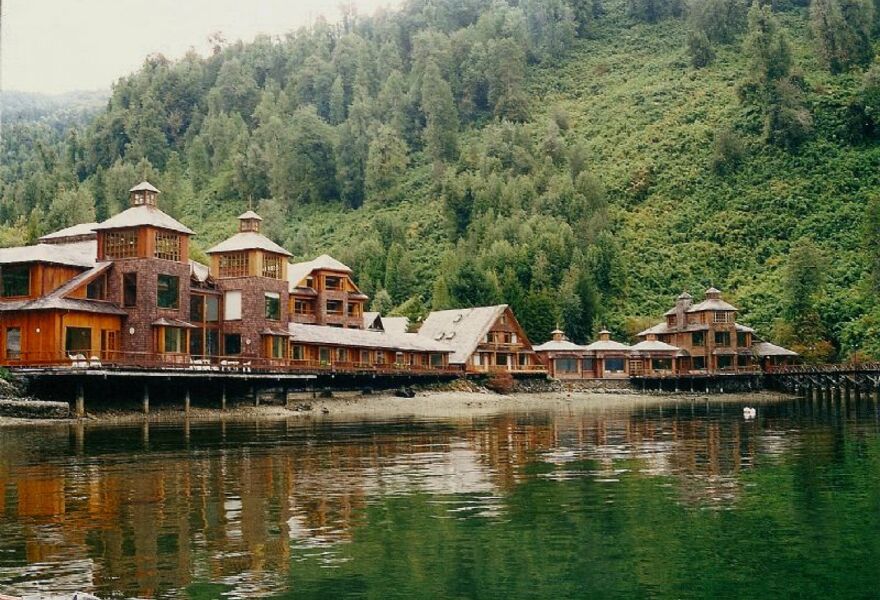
(581, 160)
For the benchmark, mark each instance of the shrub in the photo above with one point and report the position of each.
(727, 152)
(500, 382)
(699, 49)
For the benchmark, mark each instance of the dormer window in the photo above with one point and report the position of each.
(332, 283)
(671, 320)
(720, 317)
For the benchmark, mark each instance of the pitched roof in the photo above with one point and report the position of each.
(606, 345)
(661, 328)
(363, 338)
(712, 304)
(83, 229)
(144, 186)
(396, 325)
(744, 328)
(461, 329)
(653, 346)
(248, 240)
(200, 271)
(559, 346)
(79, 254)
(57, 299)
(370, 320)
(296, 272)
(144, 214)
(768, 349)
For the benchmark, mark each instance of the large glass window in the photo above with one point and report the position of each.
(197, 342)
(97, 289)
(566, 365)
(277, 346)
(588, 365)
(78, 340)
(722, 338)
(15, 280)
(273, 306)
(272, 266)
(742, 339)
(232, 305)
(334, 307)
(304, 307)
(234, 264)
(168, 291)
(167, 246)
(232, 344)
(13, 343)
(298, 352)
(699, 363)
(174, 339)
(212, 309)
(698, 339)
(725, 362)
(332, 283)
(212, 342)
(197, 308)
(614, 365)
(661, 364)
(129, 289)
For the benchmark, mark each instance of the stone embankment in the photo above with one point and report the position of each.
(13, 403)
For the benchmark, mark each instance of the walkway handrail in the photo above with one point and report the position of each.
(860, 367)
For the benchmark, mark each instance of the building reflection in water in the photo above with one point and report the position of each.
(148, 510)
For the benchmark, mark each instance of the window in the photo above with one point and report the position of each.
(698, 339)
(614, 365)
(661, 364)
(722, 338)
(120, 244)
(303, 307)
(273, 306)
(334, 307)
(332, 283)
(720, 317)
(174, 339)
(588, 365)
(212, 309)
(212, 342)
(354, 310)
(566, 365)
(78, 340)
(234, 264)
(232, 306)
(13, 343)
(742, 339)
(725, 362)
(232, 344)
(436, 360)
(298, 352)
(324, 355)
(129, 289)
(197, 310)
(16, 280)
(197, 342)
(277, 346)
(272, 266)
(365, 357)
(380, 358)
(168, 291)
(699, 363)
(502, 360)
(670, 321)
(167, 246)
(310, 282)
(744, 360)
(97, 289)
(341, 355)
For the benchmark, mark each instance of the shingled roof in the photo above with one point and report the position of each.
(83, 230)
(144, 215)
(461, 329)
(296, 272)
(79, 254)
(248, 240)
(363, 338)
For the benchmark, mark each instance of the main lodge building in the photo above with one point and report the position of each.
(125, 292)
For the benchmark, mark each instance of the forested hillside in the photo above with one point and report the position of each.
(582, 160)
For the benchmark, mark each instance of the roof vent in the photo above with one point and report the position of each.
(450, 335)
(439, 336)
(458, 318)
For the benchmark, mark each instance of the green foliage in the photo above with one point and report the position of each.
(871, 237)
(699, 49)
(728, 152)
(720, 20)
(842, 29)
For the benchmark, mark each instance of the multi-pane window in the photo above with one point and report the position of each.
(120, 244)
(167, 246)
(234, 264)
(303, 307)
(97, 289)
(16, 280)
(272, 266)
(720, 317)
(742, 339)
(232, 344)
(332, 283)
(174, 339)
(698, 339)
(78, 340)
(277, 347)
(661, 364)
(566, 365)
(168, 291)
(334, 307)
(273, 306)
(722, 338)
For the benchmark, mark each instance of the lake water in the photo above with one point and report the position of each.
(684, 500)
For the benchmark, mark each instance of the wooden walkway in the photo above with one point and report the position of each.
(830, 380)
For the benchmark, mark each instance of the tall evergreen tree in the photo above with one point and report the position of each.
(441, 128)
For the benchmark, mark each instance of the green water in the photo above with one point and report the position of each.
(682, 500)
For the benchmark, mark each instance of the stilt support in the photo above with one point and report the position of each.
(186, 400)
(80, 401)
(146, 399)
(223, 396)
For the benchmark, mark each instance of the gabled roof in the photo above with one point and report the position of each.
(57, 299)
(363, 338)
(248, 240)
(372, 320)
(74, 231)
(661, 328)
(768, 349)
(199, 271)
(79, 254)
(296, 272)
(462, 330)
(144, 215)
(396, 325)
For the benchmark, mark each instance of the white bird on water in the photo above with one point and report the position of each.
(749, 412)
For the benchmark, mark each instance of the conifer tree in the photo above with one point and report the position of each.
(441, 129)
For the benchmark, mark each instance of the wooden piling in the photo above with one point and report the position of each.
(255, 396)
(146, 399)
(80, 401)
(186, 400)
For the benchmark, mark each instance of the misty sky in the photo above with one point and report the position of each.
(55, 46)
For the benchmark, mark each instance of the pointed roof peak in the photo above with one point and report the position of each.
(685, 296)
(144, 186)
(249, 215)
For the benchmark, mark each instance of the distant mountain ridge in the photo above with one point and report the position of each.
(33, 107)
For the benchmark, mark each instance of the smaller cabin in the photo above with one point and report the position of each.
(610, 358)
(564, 359)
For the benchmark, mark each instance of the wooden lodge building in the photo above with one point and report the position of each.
(694, 339)
(125, 293)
